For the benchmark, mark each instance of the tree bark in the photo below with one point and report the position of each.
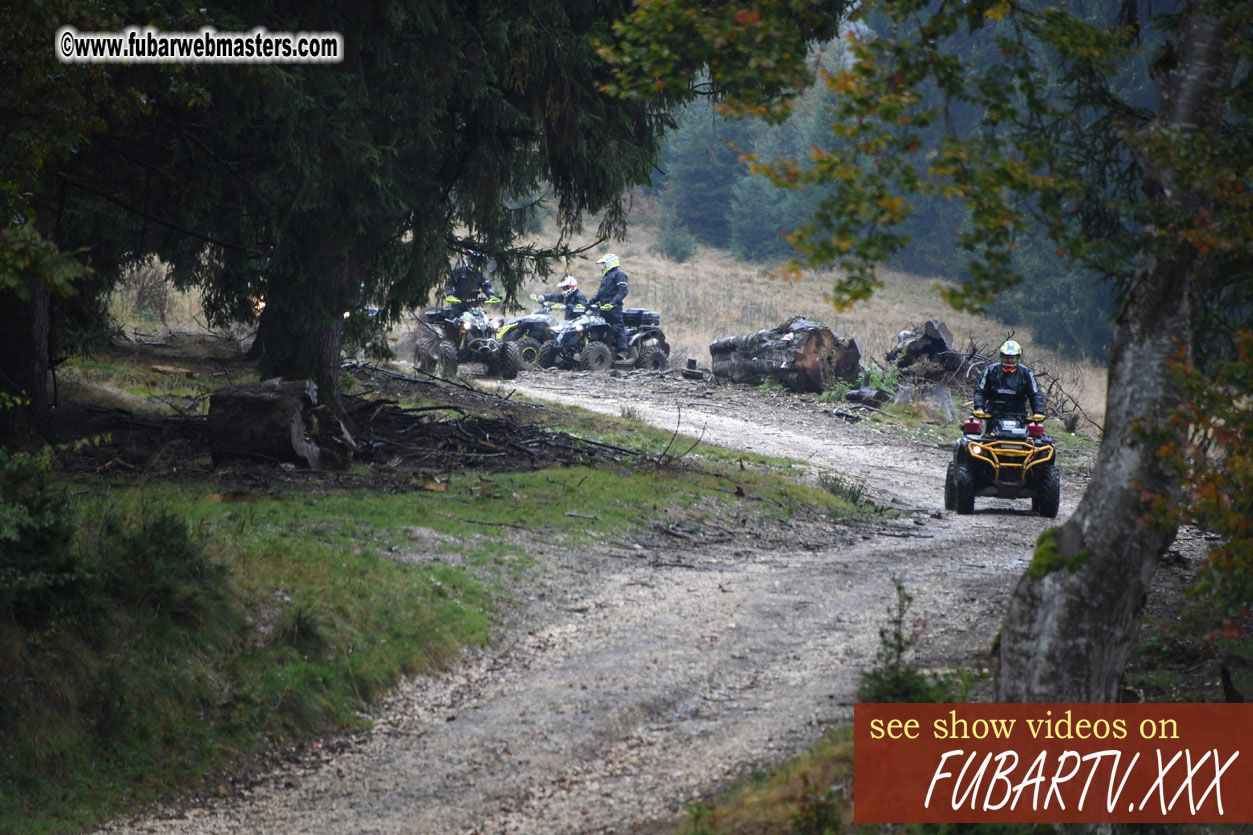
(1070, 628)
(307, 324)
(1068, 634)
(24, 330)
(265, 327)
(25, 337)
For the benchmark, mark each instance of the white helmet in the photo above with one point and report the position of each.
(568, 284)
(607, 262)
(1011, 353)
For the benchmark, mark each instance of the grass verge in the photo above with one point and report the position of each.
(809, 794)
(322, 597)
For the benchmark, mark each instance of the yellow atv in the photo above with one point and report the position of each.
(1012, 459)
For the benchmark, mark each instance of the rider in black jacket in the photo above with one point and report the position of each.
(1009, 388)
(466, 284)
(608, 299)
(567, 294)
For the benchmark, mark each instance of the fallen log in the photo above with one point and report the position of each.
(800, 354)
(279, 421)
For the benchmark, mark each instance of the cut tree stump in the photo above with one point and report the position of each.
(278, 421)
(927, 351)
(691, 372)
(800, 354)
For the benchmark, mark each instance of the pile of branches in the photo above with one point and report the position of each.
(438, 439)
(1059, 403)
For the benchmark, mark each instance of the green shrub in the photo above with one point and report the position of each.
(106, 623)
(886, 380)
(39, 577)
(771, 386)
(892, 679)
(844, 487)
(818, 810)
(836, 393)
(675, 241)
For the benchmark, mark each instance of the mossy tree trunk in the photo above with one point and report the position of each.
(1068, 633)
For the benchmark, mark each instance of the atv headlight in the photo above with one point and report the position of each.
(577, 329)
(975, 449)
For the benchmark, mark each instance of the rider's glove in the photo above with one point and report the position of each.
(982, 415)
(493, 300)
(606, 307)
(535, 297)
(452, 299)
(1037, 418)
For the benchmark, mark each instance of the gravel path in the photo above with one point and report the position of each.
(642, 675)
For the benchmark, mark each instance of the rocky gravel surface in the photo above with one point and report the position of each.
(640, 675)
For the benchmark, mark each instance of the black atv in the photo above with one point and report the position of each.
(588, 342)
(471, 337)
(1012, 459)
(646, 344)
(532, 332)
(581, 343)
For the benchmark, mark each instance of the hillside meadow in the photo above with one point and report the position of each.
(712, 295)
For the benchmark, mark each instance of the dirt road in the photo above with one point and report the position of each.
(642, 675)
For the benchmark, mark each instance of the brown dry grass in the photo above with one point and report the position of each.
(713, 295)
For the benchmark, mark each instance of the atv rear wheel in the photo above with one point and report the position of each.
(1050, 493)
(528, 351)
(950, 494)
(963, 490)
(596, 357)
(653, 359)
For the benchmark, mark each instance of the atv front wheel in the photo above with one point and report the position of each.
(963, 490)
(548, 355)
(653, 359)
(950, 494)
(446, 366)
(1050, 493)
(508, 361)
(528, 350)
(596, 357)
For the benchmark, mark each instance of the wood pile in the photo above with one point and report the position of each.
(927, 352)
(800, 354)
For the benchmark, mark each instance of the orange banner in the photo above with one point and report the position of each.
(1053, 763)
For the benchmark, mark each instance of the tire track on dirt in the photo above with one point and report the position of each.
(639, 678)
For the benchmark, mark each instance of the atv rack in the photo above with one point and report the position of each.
(1016, 457)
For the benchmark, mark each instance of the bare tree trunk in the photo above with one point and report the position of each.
(24, 367)
(265, 327)
(1072, 620)
(306, 329)
(25, 336)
